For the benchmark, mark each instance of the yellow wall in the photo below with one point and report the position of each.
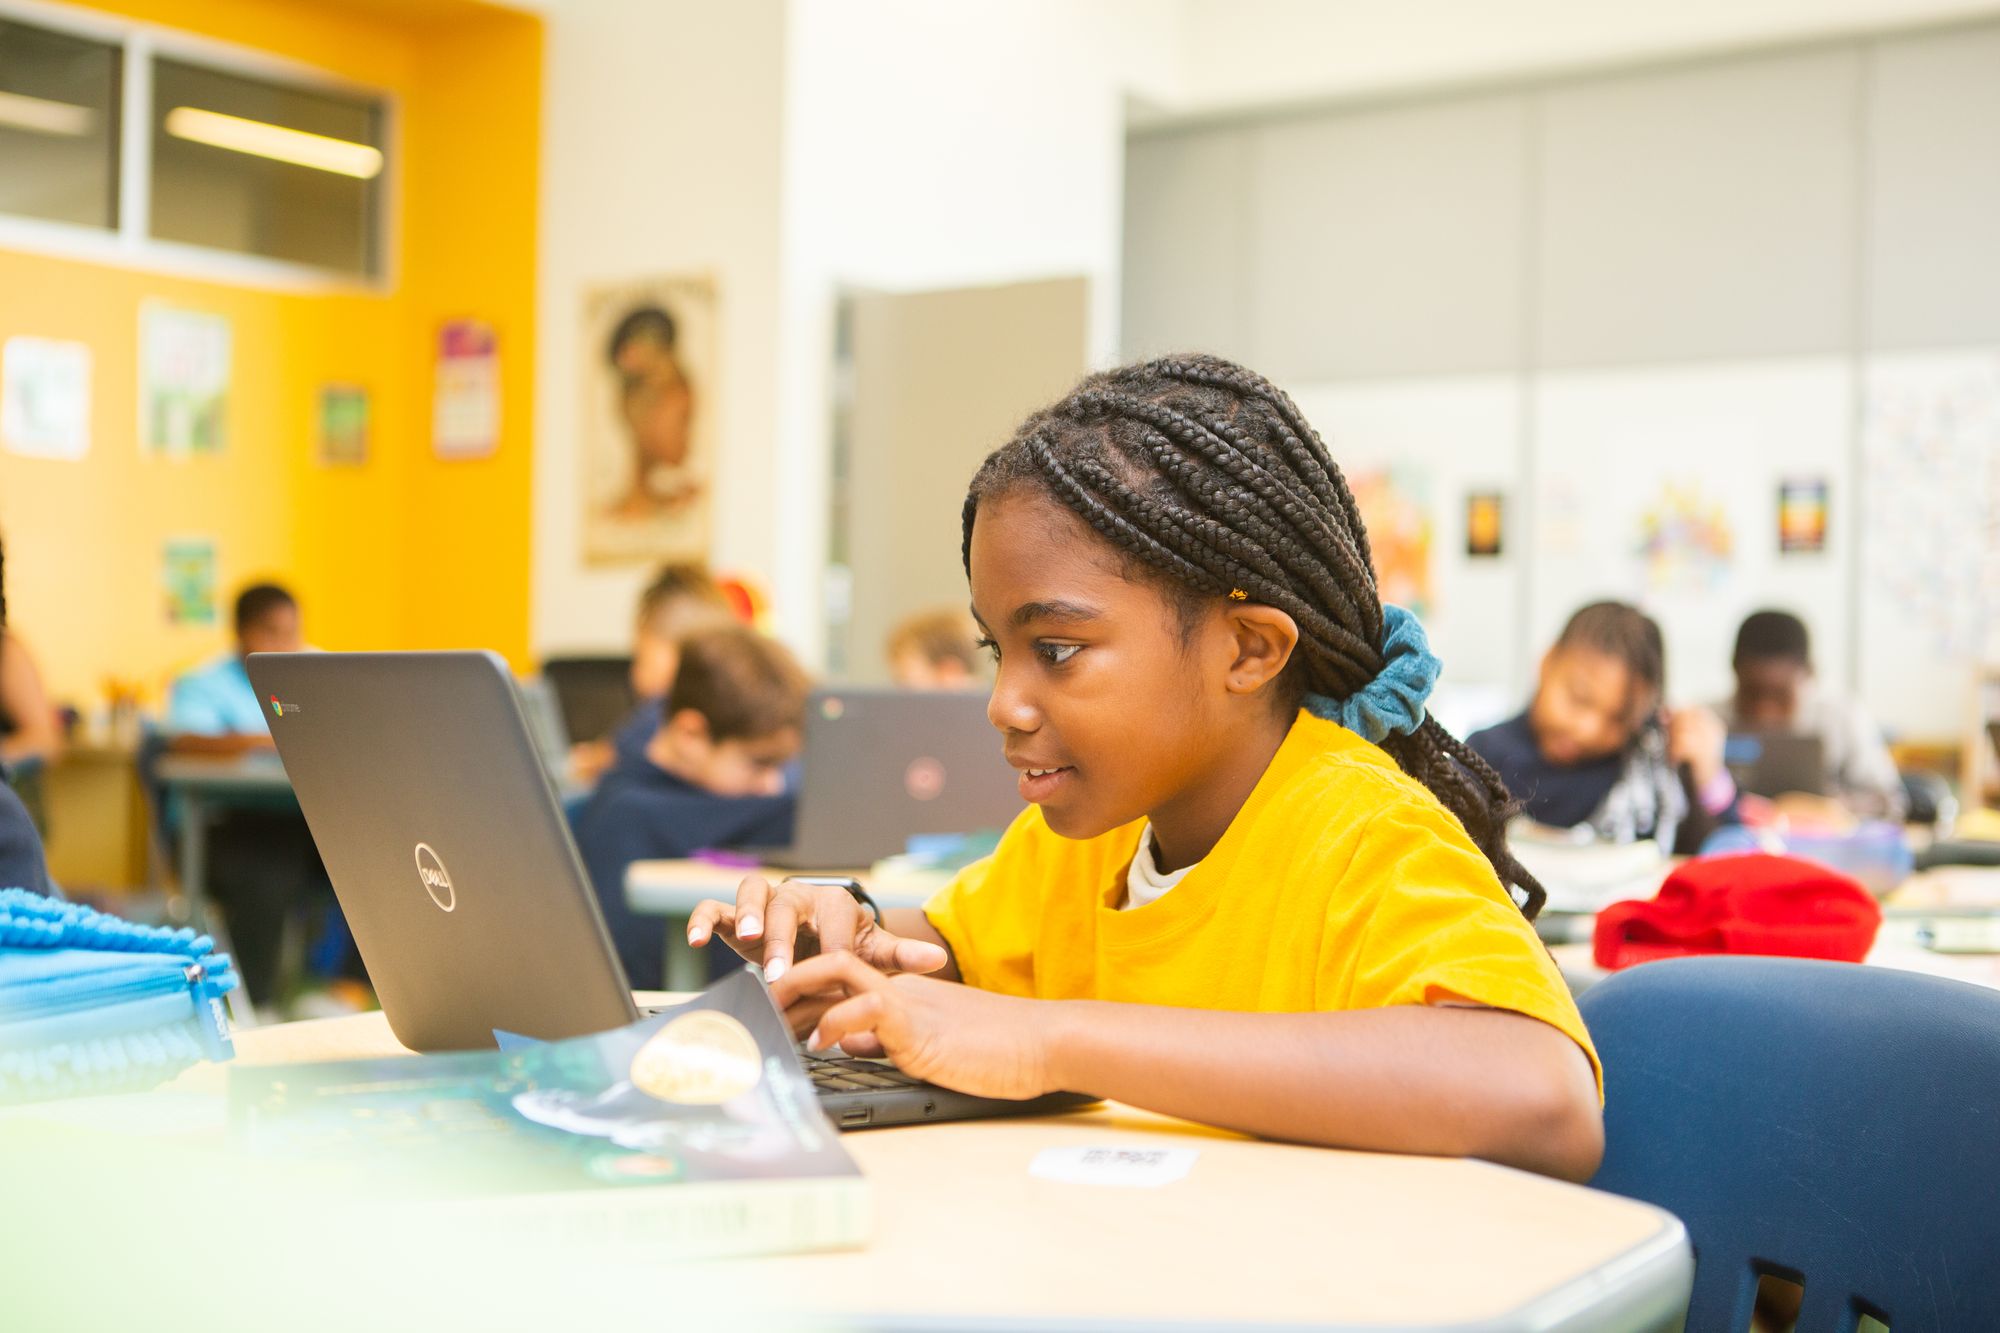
(408, 551)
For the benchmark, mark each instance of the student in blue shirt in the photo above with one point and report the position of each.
(713, 776)
(22, 865)
(1595, 747)
(681, 599)
(263, 866)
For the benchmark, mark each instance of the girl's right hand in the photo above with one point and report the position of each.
(777, 925)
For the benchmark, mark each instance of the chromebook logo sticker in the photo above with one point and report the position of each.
(436, 879)
(277, 709)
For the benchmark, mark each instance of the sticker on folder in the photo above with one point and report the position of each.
(1137, 1165)
(703, 1058)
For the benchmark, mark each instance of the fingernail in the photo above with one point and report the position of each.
(749, 925)
(696, 934)
(774, 969)
(812, 1040)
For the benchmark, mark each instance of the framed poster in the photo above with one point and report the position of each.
(648, 420)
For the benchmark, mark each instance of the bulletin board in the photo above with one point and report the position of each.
(1930, 567)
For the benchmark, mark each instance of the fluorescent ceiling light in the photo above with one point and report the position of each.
(238, 135)
(38, 113)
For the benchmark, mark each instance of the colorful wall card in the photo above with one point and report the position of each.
(1485, 528)
(184, 358)
(45, 398)
(343, 425)
(465, 408)
(1686, 540)
(1395, 508)
(1802, 516)
(187, 575)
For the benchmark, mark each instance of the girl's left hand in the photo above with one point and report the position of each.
(971, 1040)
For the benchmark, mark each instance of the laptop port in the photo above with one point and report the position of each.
(856, 1115)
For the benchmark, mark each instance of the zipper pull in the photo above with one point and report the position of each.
(211, 1022)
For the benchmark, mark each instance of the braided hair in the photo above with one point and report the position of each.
(1205, 478)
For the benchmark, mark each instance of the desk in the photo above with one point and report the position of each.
(203, 782)
(673, 889)
(1261, 1234)
(1929, 893)
(97, 825)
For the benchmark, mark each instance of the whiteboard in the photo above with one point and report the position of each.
(1461, 435)
(1611, 445)
(1930, 568)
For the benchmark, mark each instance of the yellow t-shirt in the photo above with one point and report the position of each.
(1342, 883)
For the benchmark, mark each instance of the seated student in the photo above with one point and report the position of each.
(22, 864)
(681, 599)
(263, 866)
(714, 778)
(1257, 885)
(1776, 690)
(1594, 747)
(934, 650)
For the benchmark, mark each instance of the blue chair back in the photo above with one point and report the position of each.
(1832, 1124)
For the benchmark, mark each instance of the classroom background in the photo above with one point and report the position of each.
(1689, 305)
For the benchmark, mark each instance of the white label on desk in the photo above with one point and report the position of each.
(1114, 1164)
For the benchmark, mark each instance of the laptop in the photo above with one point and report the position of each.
(440, 829)
(1771, 763)
(594, 694)
(881, 764)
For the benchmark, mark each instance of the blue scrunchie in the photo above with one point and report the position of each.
(1394, 700)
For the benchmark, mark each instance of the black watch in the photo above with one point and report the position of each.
(848, 882)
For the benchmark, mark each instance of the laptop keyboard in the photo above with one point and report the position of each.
(835, 1073)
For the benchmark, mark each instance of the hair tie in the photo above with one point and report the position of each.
(1394, 700)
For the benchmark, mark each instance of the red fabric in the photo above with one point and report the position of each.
(1753, 903)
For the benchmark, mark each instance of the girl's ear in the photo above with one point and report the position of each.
(1264, 639)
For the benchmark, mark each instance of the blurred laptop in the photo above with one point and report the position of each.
(882, 764)
(1768, 763)
(594, 694)
(419, 778)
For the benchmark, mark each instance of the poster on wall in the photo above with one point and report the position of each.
(1685, 539)
(1931, 499)
(342, 425)
(1485, 528)
(1395, 508)
(1802, 516)
(184, 361)
(465, 407)
(187, 576)
(45, 398)
(648, 431)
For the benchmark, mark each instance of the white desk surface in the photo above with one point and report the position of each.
(674, 888)
(1939, 892)
(1264, 1234)
(259, 771)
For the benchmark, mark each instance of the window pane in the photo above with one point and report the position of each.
(264, 169)
(58, 126)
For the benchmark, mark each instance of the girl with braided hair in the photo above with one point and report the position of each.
(1256, 885)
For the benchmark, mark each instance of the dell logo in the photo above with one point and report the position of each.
(435, 878)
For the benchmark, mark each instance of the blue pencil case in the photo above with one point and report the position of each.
(92, 1004)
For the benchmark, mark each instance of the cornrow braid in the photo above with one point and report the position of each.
(1206, 477)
